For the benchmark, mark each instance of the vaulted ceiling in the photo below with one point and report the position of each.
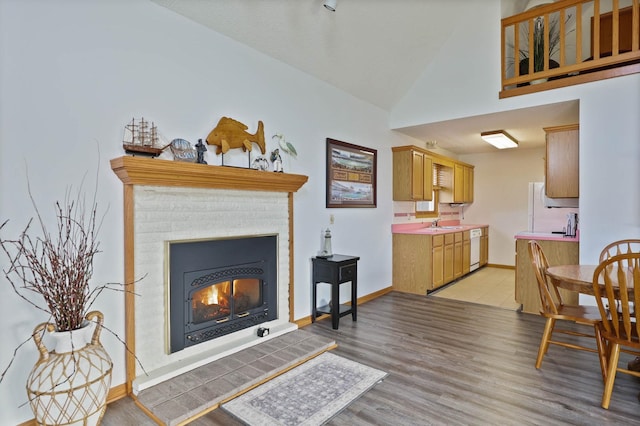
(372, 49)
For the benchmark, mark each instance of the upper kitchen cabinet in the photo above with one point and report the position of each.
(412, 175)
(562, 162)
(462, 190)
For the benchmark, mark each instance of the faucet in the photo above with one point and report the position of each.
(434, 224)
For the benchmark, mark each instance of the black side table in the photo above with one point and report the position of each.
(335, 270)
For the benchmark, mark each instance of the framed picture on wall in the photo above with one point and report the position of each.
(351, 175)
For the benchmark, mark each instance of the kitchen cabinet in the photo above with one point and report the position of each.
(412, 175)
(484, 246)
(462, 184)
(412, 270)
(448, 261)
(557, 253)
(562, 170)
(466, 252)
(437, 264)
(457, 255)
(422, 263)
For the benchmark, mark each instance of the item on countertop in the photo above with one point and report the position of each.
(276, 159)
(201, 148)
(286, 147)
(182, 150)
(141, 138)
(230, 134)
(326, 246)
(572, 225)
(260, 163)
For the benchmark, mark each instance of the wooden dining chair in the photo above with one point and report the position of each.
(553, 309)
(619, 327)
(631, 245)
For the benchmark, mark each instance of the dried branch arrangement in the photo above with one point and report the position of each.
(57, 266)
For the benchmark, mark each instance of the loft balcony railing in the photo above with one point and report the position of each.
(569, 42)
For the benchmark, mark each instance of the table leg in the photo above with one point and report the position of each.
(313, 307)
(354, 299)
(335, 305)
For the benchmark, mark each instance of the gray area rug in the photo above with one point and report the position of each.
(310, 394)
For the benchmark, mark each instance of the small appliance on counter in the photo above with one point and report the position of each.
(572, 225)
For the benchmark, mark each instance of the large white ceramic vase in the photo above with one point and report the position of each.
(69, 385)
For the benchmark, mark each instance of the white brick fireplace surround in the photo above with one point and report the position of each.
(167, 201)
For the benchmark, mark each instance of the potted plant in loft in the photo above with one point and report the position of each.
(537, 50)
(69, 384)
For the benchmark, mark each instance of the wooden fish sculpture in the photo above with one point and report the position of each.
(230, 133)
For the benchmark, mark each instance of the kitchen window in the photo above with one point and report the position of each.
(430, 208)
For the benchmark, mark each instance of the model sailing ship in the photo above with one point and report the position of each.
(141, 138)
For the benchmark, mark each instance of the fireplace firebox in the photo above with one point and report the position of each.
(220, 286)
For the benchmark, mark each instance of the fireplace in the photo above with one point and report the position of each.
(220, 286)
(176, 201)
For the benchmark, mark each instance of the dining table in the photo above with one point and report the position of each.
(578, 278)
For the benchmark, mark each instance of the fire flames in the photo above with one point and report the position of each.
(214, 301)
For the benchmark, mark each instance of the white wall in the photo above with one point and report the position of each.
(501, 186)
(73, 73)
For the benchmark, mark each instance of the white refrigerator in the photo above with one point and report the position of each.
(544, 219)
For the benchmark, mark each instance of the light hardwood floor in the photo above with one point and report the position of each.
(487, 286)
(457, 363)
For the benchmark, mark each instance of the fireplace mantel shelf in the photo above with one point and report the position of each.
(153, 171)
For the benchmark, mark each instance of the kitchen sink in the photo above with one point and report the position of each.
(449, 227)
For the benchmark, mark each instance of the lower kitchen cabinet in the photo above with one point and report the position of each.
(422, 263)
(484, 246)
(466, 252)
(449, 259)
(457, 255)
(557, 253)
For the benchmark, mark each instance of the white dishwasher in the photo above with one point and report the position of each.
(475, 235)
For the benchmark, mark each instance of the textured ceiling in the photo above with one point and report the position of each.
(372, 49)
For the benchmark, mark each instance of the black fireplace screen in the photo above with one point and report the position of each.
(217, 287)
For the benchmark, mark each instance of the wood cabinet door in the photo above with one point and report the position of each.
(458, 183)
(417, 177)
(437, 258)
(466, 255)
(448, 263)
(427, 178)
(457, 260)
(562, 163)
(484, 246)
(468, 185)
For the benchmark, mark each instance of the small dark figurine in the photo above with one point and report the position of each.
(276, 160)
(201, 148)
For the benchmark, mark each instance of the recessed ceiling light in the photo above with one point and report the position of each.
(500, 139)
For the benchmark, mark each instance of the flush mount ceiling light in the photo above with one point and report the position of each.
(331, 5)
(500, 139)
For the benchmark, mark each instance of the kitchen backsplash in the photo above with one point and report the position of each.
(405, 212)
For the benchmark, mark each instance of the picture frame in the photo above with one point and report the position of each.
(351, 175)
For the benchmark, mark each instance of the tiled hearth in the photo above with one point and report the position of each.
(190, 395)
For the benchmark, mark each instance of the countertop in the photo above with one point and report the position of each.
(426, 229)
(546, 237)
